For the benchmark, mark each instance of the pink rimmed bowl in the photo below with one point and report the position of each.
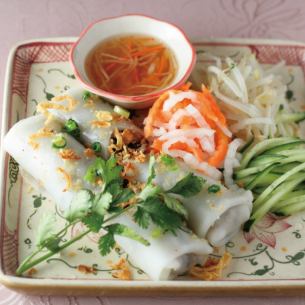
(98, 31)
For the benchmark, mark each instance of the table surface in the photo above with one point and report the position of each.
(21, 20)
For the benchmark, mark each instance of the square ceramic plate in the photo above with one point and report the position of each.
(270, 259)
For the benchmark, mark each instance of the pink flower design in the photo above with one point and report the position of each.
(266, 229)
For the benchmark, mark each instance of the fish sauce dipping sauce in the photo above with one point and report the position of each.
(131, 65)
(158, 46)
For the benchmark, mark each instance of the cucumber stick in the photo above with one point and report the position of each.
(287, 202)
(258, 148)
(258, 178)
(271, 201)
(297, 206)
(285, 146)
(260, 200)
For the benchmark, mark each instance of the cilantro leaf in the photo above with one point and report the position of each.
(142, 218)
(118, 193)
(123, 196)
(102, 203)
(107, 170)
(106, 243)
(52, 243)
(161, 215)
(169, 162)
(45, 229)
(122, 230)
(93, 221)
(112, 171)
(151, 169)
(188, 186)
(175, 205)
(149, 191)
(79, 206)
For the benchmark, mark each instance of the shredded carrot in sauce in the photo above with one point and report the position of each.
(131, 65)
(212, 269)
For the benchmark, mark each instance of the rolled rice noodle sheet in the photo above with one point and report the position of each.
(167, 256)
(85, 113)
(215, 216)
(44, 162)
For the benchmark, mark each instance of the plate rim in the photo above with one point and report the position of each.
(137, 288)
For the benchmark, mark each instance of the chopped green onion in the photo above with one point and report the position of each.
(97, 147)
(59, 142)
(121, 111)
(72, 128)
(86, 95)
(214, 188)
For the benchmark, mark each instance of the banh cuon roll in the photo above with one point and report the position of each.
(171, 188)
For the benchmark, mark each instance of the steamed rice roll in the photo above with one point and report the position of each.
(30, 143)
(96, 118)
(214, 216)
(168, 255)
(59, 171)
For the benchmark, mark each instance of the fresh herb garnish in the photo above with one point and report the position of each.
(169, 162)
(97, 147)
(189, 186)
(71, 127)
(107, 242)
(86, 96)
(121, 111)
(214, 188)
(161, 207)
(97, 211)
(59, 142)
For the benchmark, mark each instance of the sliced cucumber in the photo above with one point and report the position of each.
(286, 202)
(260, 200)
(257, 148)
(292, 208)
(285, 146)
(282, 169)
(265, 159)
(274, 198)
(240, 174)
(259, 177)
(290, 117)
(292, 152)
